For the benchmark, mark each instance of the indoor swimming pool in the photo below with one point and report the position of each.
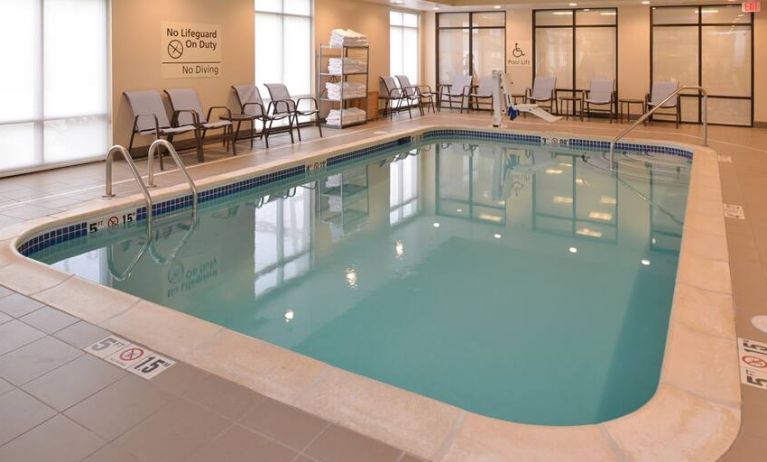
(525, 282)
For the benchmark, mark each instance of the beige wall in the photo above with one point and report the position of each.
(760, 67)
(136, 51)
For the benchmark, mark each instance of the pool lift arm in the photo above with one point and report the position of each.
(504, 106)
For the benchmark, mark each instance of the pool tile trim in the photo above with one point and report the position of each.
(667, 425)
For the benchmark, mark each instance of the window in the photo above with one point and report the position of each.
(284, 45)
(403, 188)
(710, 46)
(470, 43)
(403, 45)
(54, 85)
(576, 46)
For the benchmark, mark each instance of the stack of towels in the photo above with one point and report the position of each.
(346, 66)
(347, 38)
(351, 115)
(351, 90)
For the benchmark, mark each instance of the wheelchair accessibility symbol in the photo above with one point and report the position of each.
(175, 49)
(517, 52)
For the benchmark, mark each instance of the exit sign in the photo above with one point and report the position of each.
(751, 7)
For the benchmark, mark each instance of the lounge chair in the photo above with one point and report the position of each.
(151, 119)
(544, 91)
(285, 104)
(460, 88)
(661, 91)
(601, 93)
(425, 95)
(483, 94)
(252, 107)
(188, 110)
(390, 93)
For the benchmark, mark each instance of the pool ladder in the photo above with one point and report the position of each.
(153, 148)
(648, 114)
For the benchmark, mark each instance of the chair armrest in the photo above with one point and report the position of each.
(225, 108)
(308, 98)
(156, 122)
(444, 86)
(263, 112)
(195, 117)
(286, 102)
(428, 89)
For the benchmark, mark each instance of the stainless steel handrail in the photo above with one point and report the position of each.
(150, 168)
(657, 107)
(136, 175)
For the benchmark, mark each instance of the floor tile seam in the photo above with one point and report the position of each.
(316, 437)
(734, 406)
(33, 294)
(615, 448)
(26, 344)
(50, 334)
(127, 430)
(79, 355)
(700, 331)
(698, 285)
(265, 436)
(55, 413)
(449, 440)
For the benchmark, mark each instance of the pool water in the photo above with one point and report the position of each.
(520, 282)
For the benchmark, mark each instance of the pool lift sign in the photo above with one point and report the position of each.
(752, 359)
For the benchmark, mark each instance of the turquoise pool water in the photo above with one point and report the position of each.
(523, 283)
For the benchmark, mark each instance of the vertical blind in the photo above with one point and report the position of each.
(403, 45)
(54, 89)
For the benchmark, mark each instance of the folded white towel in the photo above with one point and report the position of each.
(350, 115)
(347, 37)
(346, 66)
(350, 90)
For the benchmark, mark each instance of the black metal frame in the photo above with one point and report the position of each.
(700, 25)
(469, 28)
(574, 26)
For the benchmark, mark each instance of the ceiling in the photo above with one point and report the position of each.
(465, 5)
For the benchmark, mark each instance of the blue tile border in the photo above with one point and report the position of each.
(73, 231)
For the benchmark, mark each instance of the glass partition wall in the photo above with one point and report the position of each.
(470, 43)
(576, 46)
(710, 46)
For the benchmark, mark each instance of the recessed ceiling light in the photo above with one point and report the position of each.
(497, 7)
(647, 2)
(573, 4)
(435, 8)
(398, 2)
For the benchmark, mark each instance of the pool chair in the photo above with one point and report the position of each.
(482, 94)
(425, 95)
(285, 104)
(544, 91)
(391, 94)
(187, 110)
(600, 93)
(459, 89)
(252, 108)
(661, 91)
(150, 119)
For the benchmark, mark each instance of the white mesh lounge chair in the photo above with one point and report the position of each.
(285, 104)
(601, 93)
(661, 91)
(483, 94)
(425, 95)
(544, 91)
(252, 106)
(187, 110)
(151, 119)
(390, 93)
(459, 89)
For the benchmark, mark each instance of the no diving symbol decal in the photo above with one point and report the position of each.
(175, 49)
(131, 354)
(752, 361)
(113, 222)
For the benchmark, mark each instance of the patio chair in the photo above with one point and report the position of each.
(425, 95)
(188, 110)
(252, 108)
(601, 93)
(285, 104)
(661, 91)
(390, 93)
(459, 88)
(150, 119)
(411, 96)
(483, 94)
(544, 91)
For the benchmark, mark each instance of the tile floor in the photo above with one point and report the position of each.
(59, 403)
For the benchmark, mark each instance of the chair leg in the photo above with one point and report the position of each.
(233, 139)
(265, 130)
(170, 140)
(298, 129)
(319, 124)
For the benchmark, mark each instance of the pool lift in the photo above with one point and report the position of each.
(503, 104)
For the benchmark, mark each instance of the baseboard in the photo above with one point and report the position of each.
(760, 124)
